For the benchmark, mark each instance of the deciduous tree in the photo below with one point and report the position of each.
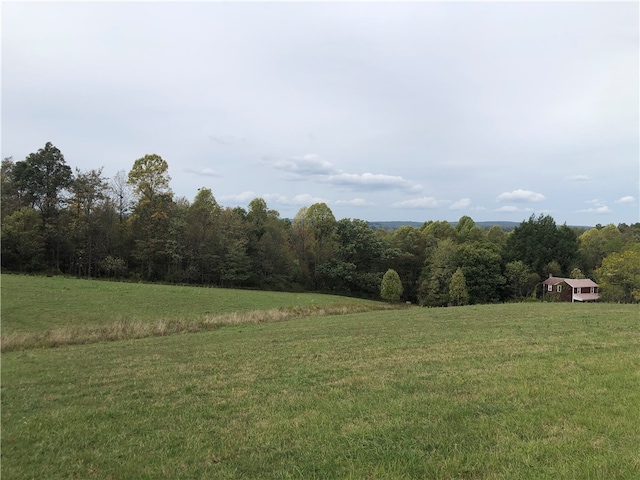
(619, 276)
(41, 179)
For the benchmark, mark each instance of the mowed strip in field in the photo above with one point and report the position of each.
(491, 391)
(53, 311)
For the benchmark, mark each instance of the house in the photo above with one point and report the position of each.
(570, 289)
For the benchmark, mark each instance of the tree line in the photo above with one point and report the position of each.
(59, 221)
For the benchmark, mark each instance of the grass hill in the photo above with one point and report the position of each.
(535, 390)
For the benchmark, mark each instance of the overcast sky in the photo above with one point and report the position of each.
(385, 111)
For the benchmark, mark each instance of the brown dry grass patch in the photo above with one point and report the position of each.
(129, 330)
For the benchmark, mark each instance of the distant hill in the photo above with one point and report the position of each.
(506, 226)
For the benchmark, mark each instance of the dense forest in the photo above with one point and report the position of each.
(59, 221)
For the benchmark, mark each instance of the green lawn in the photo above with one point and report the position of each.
(513, 391)
(35, 303)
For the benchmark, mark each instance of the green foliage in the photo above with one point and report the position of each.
(23, 241)
(132, 227)
(480, 263)
(437, 273)
(439, 230)
(40, 181)
(520, 280)
(458, 294)
(597, 243)
(468, 231)
(149, 177)
(619, 276)
(577, 273)
(42, 177)
(391, 287)
(538, 241)
(406, 255)
(497, 236)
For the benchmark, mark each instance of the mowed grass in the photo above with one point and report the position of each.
(37, 303)
(53, 311)
(513, 391)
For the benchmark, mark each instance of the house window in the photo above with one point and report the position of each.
(575, 290)
(593, 290)
(549, 288)
(559, 288)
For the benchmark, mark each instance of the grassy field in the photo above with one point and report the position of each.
(54, 311)
(498, 391)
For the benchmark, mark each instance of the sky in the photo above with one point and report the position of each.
(404, 111)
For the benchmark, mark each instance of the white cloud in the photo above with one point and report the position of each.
(520, 196)
(507, 208)
(356, 202)
(513, 208)
(330, 95)
(599, 210)
(308, 164)
(311, 165)
(627, 199)
(240, 197)
(371, 181)
(599, 207)
(423, 202)
(203, 172)
(578, 178)
(303, 200)
(461, 204)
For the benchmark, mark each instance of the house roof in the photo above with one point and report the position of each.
(580, 282)
(572, 282)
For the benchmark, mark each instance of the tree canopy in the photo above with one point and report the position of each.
(81, 223)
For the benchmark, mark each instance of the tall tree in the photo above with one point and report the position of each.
(538, 241)
(359, 257)
(88, 193)
(202, 238)
(521, 282)
(619, 276)
(468, 231)
(302, 241)
(149, 177)
(597, 243)
(269, 246)
(151, 219)
(41, 179)
(407, 256)
(480, 263)
(322, 223)
(235, 264)
(120, 190)
(497, 236)
(23, 247)
(438, 270)
(10, 199)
